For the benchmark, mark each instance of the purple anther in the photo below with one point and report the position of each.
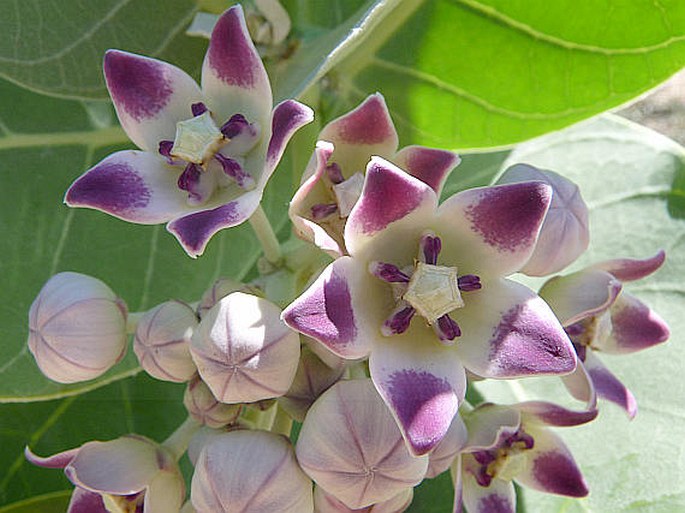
(430, 248)
(484, 457)
(235, 171)
(388, 272)
(575, 329)
(482, 476)
(189, 179)
(234, 126)
(447, 329)
(469, 283)
(527, 440)
(198, 108)
(399, 321)
(323, 210)
(335, 173)
(581, 350)
(165, 150)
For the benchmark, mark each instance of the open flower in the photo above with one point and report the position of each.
(131, 473)
(423, 294)
(333, 180)
(600, 317)
(207, 153)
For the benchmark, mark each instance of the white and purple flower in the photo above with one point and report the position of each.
(600, 317)
(422, 320)
(207, 152)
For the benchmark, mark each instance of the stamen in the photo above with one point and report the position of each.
(399, 321)
(189, 179)
(527, 440)
(198, 108)
(581, 350)
(484, 457)
(469, 283)
(447, 329)
(165, 150)
(235, 171)
(575, 329)
(334, 173)
(430, 246)
(323, 210)
(234, 126)
(483, 478)
(388, 272)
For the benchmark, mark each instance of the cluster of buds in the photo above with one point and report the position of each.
(374, 356)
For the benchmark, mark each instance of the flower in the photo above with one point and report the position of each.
(599, 316)
(77, 328)
(332, 182)
(126, 474)
(207, 153)
(466, 313)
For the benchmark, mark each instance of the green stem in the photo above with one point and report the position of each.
(178, 441)
(132, 320)
(266, 236)
(283, 423)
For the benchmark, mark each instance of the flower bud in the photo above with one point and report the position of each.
(250, 472)
(351, 447)
(564, 234)
(326, 503)
(205, 409)
(77, 328)
(162, 341)
(243, 351)
(220, 289)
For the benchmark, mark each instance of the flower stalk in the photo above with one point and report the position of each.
(267, 238)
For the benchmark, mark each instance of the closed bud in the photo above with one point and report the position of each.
(564, 234)
(162, 341)
(220, 289)
(326, 503)
(77, 328)
(243, 351)
(204, 407)
(250, 472)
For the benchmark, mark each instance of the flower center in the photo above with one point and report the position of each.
(586, 332)
(344, 194)
(504, 461)
(431, 290)
(124, 503)
(212, 156)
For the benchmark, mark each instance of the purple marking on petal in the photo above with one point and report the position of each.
(555, 415)
(367, 124)
(59, 460)
(610, 388)
(194, 230)
(231, 54)
(198, 108)
(137, 84)
(630, 269)
(84, 501)
(494, 503)
(559, 474)
(335, 173)
(635, 326)
(508, 217)
(525, 343)
(399, 321)
(469, 283)
(388, 272)
(235, 171)
(430, 165)
(430, 248)
(235, 126)
(448, 329)
(322, 210)
(113, 187)
(287, 118)
(424, 404)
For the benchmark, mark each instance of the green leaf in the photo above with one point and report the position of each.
(629, 176)
(56, 47)
(49, 503)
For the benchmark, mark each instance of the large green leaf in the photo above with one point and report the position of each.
(630, 178)
(56, 47)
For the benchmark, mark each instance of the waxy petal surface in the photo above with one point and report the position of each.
(132, 185)
(551, 414)
(489, 423)
(579, 384)
(83, 501)
(150, 96)
(631, 269)
(499, 497)
(59, 460)
(441, 458)
(422, 383)
(495, 228)
(430, 165)
(608, 386)
(509, 332)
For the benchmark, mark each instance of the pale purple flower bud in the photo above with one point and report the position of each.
(565, 233)
(243, 351)
(77, 328)
(326, 503)
(204, 407)
(250, 472)
(312, 379)
(162, 341)
(222, 288)
(202, 437)
(351, 446)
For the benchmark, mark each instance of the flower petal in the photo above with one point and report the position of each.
(135, 186)
(422, 384)
(165, 493)
(120, 467)
(630, 269)
(194, 230)
(496, 227)
(440, 458)
(551, 467)
(365, 131)
(634, 327)
(150, 96)
(508, 332)
(580, 294)
(608, 386)
(84, 501)
(430, 165)
(498, 497)
(579, 384)
(288, 117)
(331, 310)
(59, 460)
(488, 424)
(552, 414)
(390, 195)
(233, 77)
(327, 503)
(458, 485)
